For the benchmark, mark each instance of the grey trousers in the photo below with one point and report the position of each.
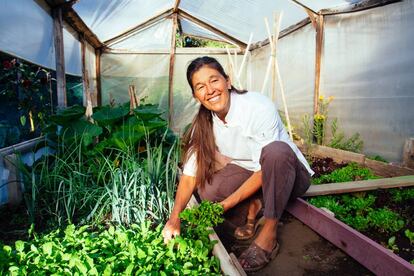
(283, 177)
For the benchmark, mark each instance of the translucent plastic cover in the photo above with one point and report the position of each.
(108, 19)
(156, 36)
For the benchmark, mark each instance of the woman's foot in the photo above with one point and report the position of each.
(263, 249)
(248, 230)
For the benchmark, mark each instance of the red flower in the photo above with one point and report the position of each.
(26, 83)
(7, 64)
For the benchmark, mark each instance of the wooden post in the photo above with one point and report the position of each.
(171, 72)
(59, 56)
(98, 54)
(84, 71)
(318, 60)
(408, 155)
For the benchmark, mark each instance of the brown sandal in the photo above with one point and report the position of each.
(248, 230)
(256, 257)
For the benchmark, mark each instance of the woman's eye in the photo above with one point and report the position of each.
(200, 87)
(214, 80)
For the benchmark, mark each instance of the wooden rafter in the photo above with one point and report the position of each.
(71, 17)
(368, 4)
(176, 4)
(211, 28)
(140, 26)
(304, 6)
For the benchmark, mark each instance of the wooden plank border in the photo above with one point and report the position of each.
(358, 186)
(370, 254)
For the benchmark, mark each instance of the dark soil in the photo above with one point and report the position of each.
(406, 211)
(14, 224)
(323, 166)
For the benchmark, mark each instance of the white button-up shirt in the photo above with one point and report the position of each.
(251, 123)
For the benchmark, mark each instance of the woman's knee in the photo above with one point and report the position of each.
(277, 151)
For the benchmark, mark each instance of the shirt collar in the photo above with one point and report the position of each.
(230, 117)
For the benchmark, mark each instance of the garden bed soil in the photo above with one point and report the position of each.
(406, 210)
(302, 252)
(325, 165)
(405, 249)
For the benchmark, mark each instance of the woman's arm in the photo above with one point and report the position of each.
(185, 189)
(247, 189)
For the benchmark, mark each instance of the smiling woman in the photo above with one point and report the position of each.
(237, 152)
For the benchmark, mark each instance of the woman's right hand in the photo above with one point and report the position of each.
(171, 229)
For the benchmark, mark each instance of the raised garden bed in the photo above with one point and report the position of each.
(376, 257)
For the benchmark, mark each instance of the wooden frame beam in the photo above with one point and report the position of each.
(359, 186)
(368, 4)
(318, 59)
(98, 53)
(59, 56)
(303, 6)
(211, 28)
(176, 4)
(370, 254)
(171, 72)
(140, 26)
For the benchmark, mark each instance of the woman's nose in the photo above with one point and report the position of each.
(209, 88)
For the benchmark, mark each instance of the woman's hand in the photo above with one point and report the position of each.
(171, 229)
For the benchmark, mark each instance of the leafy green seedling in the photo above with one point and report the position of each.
(391, 244)
(409, 235)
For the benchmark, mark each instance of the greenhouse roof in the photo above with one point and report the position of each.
(233, 21)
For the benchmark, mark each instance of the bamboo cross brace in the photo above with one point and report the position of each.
(273, 64)
(245, 56)
(232, 67)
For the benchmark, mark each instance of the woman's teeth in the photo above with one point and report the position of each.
(214, 99)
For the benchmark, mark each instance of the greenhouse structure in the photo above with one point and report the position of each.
(340, 73)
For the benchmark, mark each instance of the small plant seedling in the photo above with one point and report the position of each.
(391, 244)
(409, 235)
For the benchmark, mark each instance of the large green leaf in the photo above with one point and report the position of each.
(147, 112)
(68, 115)
(108, 115)
(82, 130)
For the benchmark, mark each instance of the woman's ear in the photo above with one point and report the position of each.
(228, 84)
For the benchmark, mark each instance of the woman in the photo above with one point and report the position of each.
(237, 146)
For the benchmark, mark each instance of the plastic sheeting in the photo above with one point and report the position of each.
(72, 52)
(191, 28)
(32, 38)
(27, 32)
(156, 36)
(296, 59)
(148, 72)
(108, 19)
(240, 18)
(368, 67)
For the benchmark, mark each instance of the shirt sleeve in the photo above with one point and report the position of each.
(266, 127)
(190, 166)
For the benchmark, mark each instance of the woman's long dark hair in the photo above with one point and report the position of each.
(199, 138)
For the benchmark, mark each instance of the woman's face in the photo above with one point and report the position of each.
(212, 90)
